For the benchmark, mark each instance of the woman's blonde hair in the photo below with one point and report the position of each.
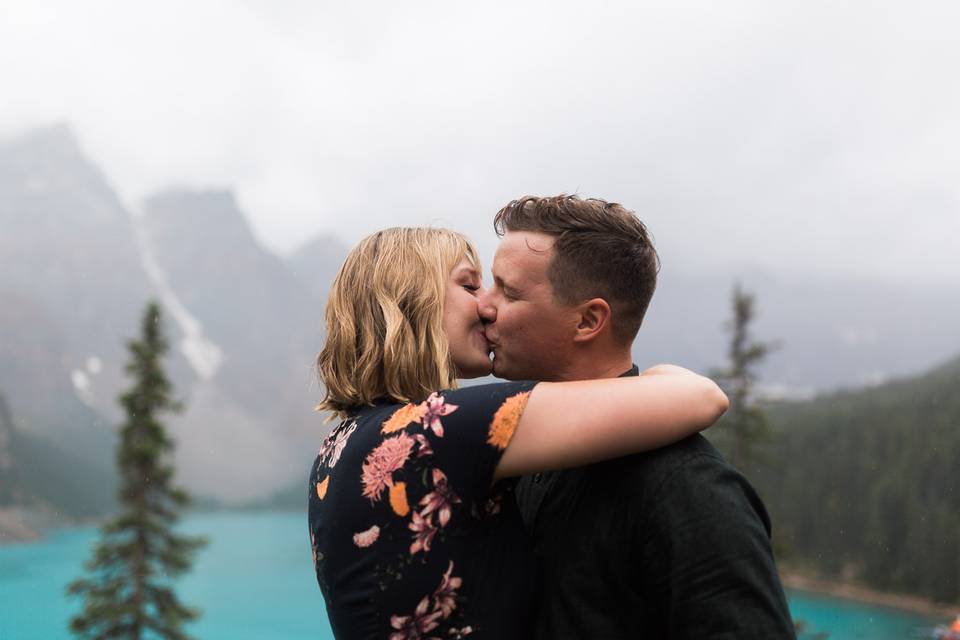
(384, 319)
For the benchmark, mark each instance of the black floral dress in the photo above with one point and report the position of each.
(411, 539)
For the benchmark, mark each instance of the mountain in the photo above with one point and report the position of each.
(316, 262)
(41, 477)
(863, 484)
(7, 491)
(245, 325)
(266, 324)
(68, 243)
(70, 288)
(78, 268)
(831, 333)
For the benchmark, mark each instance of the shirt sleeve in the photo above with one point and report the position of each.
(708, 558)
(465, 431)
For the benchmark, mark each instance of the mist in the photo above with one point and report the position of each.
(802, 138)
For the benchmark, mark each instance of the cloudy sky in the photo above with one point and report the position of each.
(817, 137)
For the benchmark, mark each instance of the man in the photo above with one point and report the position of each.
(671, 543)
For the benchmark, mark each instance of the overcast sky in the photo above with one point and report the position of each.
(795, 136)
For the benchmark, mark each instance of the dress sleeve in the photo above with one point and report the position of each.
(465, 431)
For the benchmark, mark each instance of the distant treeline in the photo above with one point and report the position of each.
(865, 485)
(44, 475)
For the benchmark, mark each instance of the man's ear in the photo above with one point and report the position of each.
(595, 318)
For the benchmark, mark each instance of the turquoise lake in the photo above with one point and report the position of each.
(255, 582)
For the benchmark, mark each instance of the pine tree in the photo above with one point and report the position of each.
(745, 427)
(128, 592)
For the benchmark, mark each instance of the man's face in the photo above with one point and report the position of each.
(531, 334)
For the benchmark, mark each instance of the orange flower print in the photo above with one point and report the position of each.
(378, 468)
(322, 487)
(366, 538)
(398, 499)
(403, 416)
(505, 420)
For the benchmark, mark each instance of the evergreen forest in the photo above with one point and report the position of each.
(863, 485)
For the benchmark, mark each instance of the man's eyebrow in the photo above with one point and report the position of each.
(499, 281)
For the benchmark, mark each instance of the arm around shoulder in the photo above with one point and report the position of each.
(569, 424)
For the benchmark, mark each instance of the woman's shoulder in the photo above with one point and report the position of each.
(485, 396)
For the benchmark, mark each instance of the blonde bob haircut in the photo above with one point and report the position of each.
(384, 319)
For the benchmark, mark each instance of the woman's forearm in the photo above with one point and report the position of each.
(570, 424)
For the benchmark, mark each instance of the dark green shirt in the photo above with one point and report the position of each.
(672, 543)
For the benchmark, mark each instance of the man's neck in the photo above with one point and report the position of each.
(590, 368)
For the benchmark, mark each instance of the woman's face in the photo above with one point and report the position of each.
(462, 324)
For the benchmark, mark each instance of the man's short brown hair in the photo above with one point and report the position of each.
(602, 250)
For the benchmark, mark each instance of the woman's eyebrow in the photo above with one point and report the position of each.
(469, 271)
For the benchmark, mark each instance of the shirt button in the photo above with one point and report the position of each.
(537, 477)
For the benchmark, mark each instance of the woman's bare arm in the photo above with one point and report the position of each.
(569, 424)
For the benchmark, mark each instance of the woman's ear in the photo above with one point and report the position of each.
(595, 318)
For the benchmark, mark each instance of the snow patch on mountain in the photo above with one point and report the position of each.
(82, 386)
(203, 355)
(94, 365)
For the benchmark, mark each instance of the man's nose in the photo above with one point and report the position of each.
(485, 307)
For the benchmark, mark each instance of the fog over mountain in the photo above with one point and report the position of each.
(809, 138)
(830, 333)
(70, 289)
(245, 324)
(266, 325)
(76, 275)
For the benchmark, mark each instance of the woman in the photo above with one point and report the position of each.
(414, 528)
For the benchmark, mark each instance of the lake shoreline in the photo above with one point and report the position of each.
(21, 525)
(14, 526)
(937, 611)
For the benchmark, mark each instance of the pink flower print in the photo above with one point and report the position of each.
(416, 626)
(366, 538)
(436, 409)
(445, 597)
(424, 449)
(459, 634)
(378, 468)
(423, 532)
(439, 499)
(492, 506)
(334, 443)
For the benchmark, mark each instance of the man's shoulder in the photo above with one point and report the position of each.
(690, 469)
(640, 482)
(665, 461)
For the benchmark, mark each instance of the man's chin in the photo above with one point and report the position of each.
(502, 370)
